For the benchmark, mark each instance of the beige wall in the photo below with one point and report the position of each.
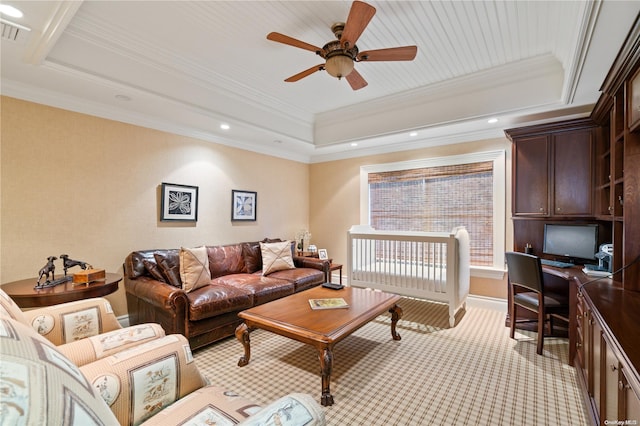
(89, 187)
(335, 200)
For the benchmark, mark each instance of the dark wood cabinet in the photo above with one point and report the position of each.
(531, 176)
(553, 169)
(606, 356)
(572, 191)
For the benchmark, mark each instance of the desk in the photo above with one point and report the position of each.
(26, 296)
(604, 320)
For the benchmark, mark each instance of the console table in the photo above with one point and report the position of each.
(26, 296)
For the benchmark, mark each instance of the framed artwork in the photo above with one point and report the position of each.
(179, 202)
(243, 205)
(322, 254)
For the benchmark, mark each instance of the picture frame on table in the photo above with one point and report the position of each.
(179, 202)
(244, 205)
(322, 254)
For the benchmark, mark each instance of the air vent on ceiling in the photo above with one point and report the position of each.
(13, 33)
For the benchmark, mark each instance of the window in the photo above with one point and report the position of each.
(438, 194)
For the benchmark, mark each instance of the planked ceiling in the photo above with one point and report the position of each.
(189, 66)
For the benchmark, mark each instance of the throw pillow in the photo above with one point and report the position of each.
(153, 269)
(194, 268)
(169, 263)
(276, 257)
(252, 257)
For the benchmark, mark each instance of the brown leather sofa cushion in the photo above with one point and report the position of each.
(304, 278)
(153, 269)
(169, 263)
(252, 257)
(263, 289)
(216, 299)
(225, 260)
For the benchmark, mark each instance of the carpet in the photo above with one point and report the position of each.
(472, 374)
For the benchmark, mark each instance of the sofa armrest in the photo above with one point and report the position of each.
(154, 292)
(311, 262)
(88, 350)
(314, 263)
(68, 322)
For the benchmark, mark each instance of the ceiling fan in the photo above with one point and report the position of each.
(340, 55)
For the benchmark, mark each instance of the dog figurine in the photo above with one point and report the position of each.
(70, 263)
(47, 269)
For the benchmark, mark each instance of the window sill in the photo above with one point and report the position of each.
(487, 272)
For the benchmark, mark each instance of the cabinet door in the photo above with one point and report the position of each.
(573, 173)
(531, 176)
(629, 401)
(610, 373)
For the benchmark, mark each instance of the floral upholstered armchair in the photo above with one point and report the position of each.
(84, 331)
(156, 383)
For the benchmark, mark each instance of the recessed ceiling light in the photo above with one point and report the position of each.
(492, 120)
(225, 126)
(354, 144)
(5, 9)
(413, 134)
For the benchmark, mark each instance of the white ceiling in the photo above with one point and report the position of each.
(188, 66)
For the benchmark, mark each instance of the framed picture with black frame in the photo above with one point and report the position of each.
(244, 205)
(179, 203)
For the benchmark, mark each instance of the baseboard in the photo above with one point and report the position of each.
(485, 302)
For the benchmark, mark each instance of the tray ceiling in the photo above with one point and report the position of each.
(189, 66)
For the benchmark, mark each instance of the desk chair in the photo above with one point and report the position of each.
(527, 290)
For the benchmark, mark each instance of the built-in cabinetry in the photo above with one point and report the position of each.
(553, 170)
(617, 190)
(606, 352)
(553, 177)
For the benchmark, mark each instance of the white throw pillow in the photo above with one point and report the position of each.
(276, 257)
(194, 268)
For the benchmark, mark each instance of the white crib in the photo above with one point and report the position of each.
(427, 265)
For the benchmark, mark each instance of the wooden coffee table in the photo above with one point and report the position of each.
(293, 317)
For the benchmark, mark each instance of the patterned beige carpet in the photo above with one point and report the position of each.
(472, 374)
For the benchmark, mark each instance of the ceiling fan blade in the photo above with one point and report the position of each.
(281, 38)
(358, 19)
(305, 73)
(355, 80)
(405, 53)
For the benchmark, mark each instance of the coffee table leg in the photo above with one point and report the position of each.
(242, 334)
(396, 314)
(326, 362)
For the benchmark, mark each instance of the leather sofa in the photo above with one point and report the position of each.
(209, 313)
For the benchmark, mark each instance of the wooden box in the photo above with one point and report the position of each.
(89, 275)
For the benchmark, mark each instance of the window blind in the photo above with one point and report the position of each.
(437, 199)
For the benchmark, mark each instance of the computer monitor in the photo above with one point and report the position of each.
(572, 241)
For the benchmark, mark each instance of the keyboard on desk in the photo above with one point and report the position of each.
(556, 264)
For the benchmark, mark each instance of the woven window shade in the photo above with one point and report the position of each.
(437, 199)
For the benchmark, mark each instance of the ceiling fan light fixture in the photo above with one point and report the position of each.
(339, 66)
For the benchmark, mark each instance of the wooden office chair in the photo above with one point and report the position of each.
(527, 290)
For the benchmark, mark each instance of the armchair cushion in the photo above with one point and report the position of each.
(139, 382)
(41, 386)
(72, 321)
(9, 308)
(87, 350)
